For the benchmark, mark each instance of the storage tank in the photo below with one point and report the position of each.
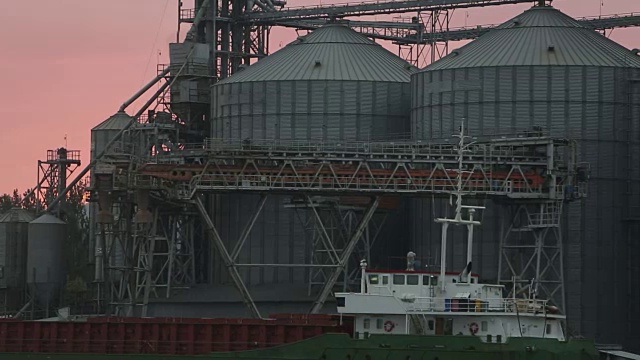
(101, 135)
(13, 248)
(543, 68)
(46, 273)
(332, 84)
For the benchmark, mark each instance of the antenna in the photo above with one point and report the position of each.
(458, 220)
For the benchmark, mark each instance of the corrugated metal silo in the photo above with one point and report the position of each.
(46, 271)
(102, 133)
(333, 84)
(544, 68)
(13, 247)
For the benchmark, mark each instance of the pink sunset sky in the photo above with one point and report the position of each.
(66, 65)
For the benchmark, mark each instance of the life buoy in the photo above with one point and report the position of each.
(388, 326)
(473, 328)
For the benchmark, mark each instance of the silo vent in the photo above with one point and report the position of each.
(300, 38)
(635, 51)
(241, 67)
(317, 63)
(551, 48)
(455, 53)
(516, 22)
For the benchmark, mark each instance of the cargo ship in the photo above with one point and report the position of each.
(397, 314)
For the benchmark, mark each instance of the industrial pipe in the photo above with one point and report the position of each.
(144, 89)
(198, 18)
(109, 144)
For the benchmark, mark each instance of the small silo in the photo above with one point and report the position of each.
(543, 68)
(101, 135)
(13, 256)
(46, 273)
(333, 84)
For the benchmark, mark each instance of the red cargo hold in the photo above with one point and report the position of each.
(166, 336)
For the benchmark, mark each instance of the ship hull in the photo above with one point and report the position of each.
(388, 347)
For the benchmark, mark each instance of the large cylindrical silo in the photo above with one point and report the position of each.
(333, 84)
(46, 270)
(545, 69)
(330, 85)
(13, 257)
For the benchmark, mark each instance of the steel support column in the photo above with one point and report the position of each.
(344, 257)
(531, 252)
(228, 261)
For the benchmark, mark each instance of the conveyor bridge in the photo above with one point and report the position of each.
(519, 168)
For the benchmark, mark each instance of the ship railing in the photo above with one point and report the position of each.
(469, 305)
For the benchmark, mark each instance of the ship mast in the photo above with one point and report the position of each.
(458, 220)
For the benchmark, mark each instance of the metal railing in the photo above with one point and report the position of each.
(381, 184)
(504, 152)
(463, 305)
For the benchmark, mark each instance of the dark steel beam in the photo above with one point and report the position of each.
(470, 33)
(369, 8)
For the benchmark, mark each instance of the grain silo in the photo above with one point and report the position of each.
(46, 270)
(101, 135)
(330, 85)
(543, 68)
(13, 258)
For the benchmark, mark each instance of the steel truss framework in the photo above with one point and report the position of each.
(52, 176)
(509, 168)
(331, 223)
(145, 246)
(525, 170)
(144, 255)
(601, 23)
(531, 251)
(238, 32)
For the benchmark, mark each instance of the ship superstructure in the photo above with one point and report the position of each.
(447, 303)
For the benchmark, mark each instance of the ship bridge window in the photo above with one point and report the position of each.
(426, 278)
(398, 279)
(413, 279)
(385, 280)
(373, 279)
(548, 329)
(379, 324)
(366, 323)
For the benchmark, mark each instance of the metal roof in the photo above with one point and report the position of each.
(332, 52)
(48, 219)
(16, 215)
(541, 35)
(116, 122)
